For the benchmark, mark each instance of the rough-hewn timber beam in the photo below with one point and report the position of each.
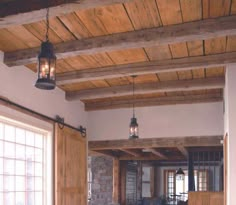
(155, 101)
(183, 150)
(28, 11)
(131, 152)
(169, 86)
(171, 65)
(107, 153)
(197, 30)
(157, 153)
(196, 141)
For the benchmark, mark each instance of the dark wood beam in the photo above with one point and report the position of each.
(169, 65)
(198, 30)
(131, 152)
(28, 11)
(154, 101)
(107, 153)
(157, 153)
(144, 88)
(183, 150)
(149, 157)
(197, 141)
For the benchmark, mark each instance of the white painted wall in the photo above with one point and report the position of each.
(17, 84)
(161, 121)
(230, 128)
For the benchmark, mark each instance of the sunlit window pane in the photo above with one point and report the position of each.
(30, 198)
(1, 131)
(20, 151)
(38, 155)
(1, 148)
(38, 196)
(38, 169)
(1, 183)
(9, 166)
(1, 165)
(20, 198)
(20, 136)
(9, 150)
(30, 183)
(9, 198)
(29, 138)
(38, 184)
(38, 140)
(9, 133)
(9, 183)
(20, 183)
(20, 167)
(29, 153)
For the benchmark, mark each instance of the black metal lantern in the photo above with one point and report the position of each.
(46, 63)
(133, 127)
(179, 174)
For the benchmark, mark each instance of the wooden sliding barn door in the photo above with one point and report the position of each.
(70, 167)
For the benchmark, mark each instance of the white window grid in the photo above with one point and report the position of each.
(22, 164)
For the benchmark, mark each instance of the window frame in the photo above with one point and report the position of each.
(29, 122)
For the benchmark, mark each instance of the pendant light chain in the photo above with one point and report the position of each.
(47, 24)
(133, 98)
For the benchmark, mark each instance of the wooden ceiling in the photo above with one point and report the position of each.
(159, 149)
(178, 48)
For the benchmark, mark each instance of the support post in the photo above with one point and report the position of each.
(191, 184)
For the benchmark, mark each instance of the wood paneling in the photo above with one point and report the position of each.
(134, 39)
(105, 20)
(203, 198)
(143, 14)
(35, 11)
(70, 167)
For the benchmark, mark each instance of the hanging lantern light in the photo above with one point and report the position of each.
(46, 63)
(133, 127)
(179, 174)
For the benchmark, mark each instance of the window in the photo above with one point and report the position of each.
(146, 182)
(180, 187)
(25, 164)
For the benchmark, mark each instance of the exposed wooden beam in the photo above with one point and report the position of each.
(197, 30)
(197, 141)
(169, 65)
(144, 88)
(155, 101)
(157, 153)
(27, 11)
(107, 153)
(149, 157)
(183, 150)
(131, 152)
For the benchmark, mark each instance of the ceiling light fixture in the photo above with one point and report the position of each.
(179, 174)
(133, 127)
(46, 63)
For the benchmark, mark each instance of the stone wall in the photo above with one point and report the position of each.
(101, 168)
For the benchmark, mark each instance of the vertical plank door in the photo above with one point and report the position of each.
(70, 167)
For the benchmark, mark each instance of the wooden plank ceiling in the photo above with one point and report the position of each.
(180, 50)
